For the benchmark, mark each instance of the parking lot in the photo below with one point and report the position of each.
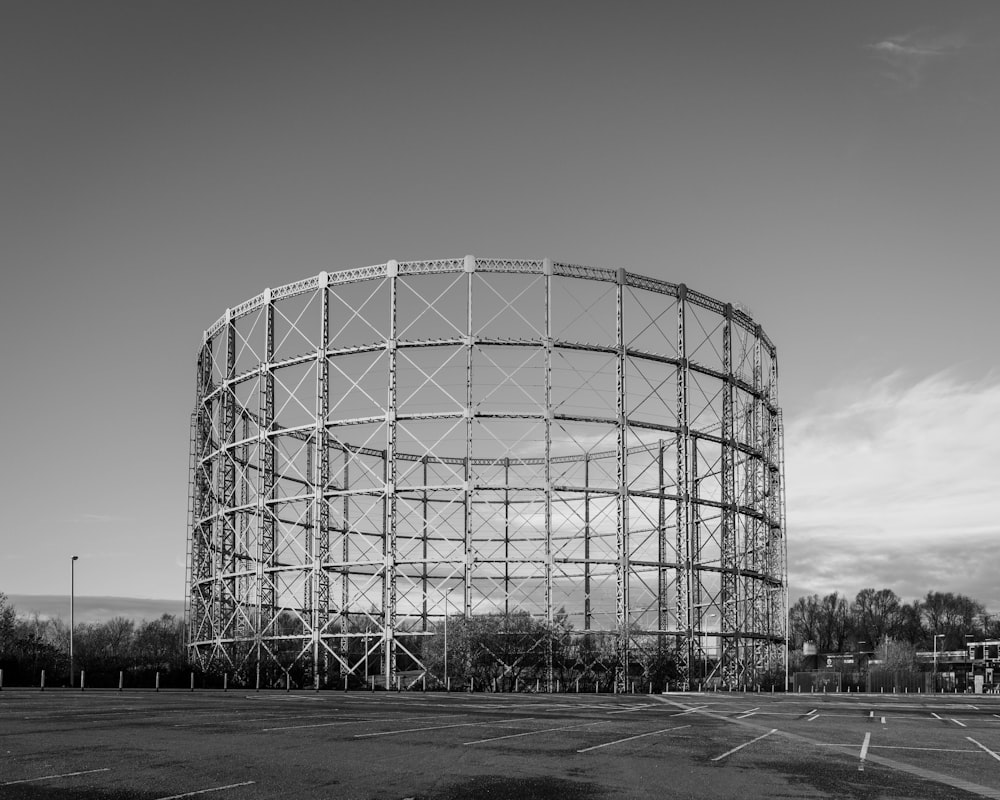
(239, 744)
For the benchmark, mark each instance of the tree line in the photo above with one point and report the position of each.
(31, 644)
(878, 619)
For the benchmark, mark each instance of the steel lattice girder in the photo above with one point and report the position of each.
(378, 448)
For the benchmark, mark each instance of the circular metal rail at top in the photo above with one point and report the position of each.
(588, 458)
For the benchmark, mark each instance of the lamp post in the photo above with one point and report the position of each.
(72, 614)
(936, 637)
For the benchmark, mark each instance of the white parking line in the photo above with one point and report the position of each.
(368, 719)
(959, 723)
(749, 713)
(864, 751)
(984, 747)
(813, 718)
(62, 775)
(745, 744)
(630, 710)
(442, 727)
(532, 733)
(630, 738)
(206, 791)
(689, 711)
(935, 715)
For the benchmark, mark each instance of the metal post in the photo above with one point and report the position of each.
(72, 617)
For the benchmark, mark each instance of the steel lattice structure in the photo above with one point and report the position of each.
(378, 448)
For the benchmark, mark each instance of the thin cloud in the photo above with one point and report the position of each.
(909, 56)
(896, 485)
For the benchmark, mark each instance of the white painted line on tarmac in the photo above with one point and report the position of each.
(52, 777)
(959, 723)
(634, 708)
(745, 744)
(897, 747)
(532, 733)
(812, 712)
(984, 747)
(442, 727)
(864, 751)
(871, 714)
(813, 718)
(630, 738)
(749, 713)
(935, 715)
(352, 721)
(689, 711)
(206, 791)
(883, 720)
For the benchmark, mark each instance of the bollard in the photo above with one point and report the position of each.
(597, 687)
(43, 681)
(373, 683)
(225, 681)
(157, 681)
(578, 686)
(398, 685)
(257, 679)
(447, 684)
(633, 687)
(1, 680)
(288, 682)
(192, 680)
(82, 687)
(517, 685)
(121, 680)
(557, 686)
(650, 687)
(423, 683)
(538, 684)
(345, 682)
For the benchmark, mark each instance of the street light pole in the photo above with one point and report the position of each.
(72, 614)
(936, 637)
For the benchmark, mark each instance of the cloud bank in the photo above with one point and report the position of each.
(907, 57)
(895, 485)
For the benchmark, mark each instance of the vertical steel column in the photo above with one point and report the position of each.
(663, 576)
(423, 540)
(265, 595)
(754, 657)
(506, 535)
(684, 621)
(389, 581)
(321, 479)
(624, 554)
(586, 542)
(470, 271)
(201, 590)
(225, 545)
(694, 557)
(547, 273)
(345, 574)
(729, 620)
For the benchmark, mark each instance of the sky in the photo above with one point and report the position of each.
(834, 167)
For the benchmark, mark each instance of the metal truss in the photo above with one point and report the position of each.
(377, 450)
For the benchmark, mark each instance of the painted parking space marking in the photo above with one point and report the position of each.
(361, 720)
(936, 716)
(53, 777)
(689, 711)
(206, 791)
(813, 718)
(532, 733)
(983, 747)
(630, 738)
(442, 727)
(864, 751)
(633, 708)
(749, 713)
(745, 744)
(896, 747)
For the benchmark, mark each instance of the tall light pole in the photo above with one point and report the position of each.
(72, 615)
(936, 637)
